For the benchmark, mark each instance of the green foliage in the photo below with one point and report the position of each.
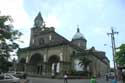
(8, 38)
(84, 61)
(120, 55)
(4, 64)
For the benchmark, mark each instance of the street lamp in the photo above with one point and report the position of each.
(14, 64)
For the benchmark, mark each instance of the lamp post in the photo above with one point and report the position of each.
(14, 64)
(113, 49)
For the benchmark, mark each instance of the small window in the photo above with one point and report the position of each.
(42, 29)
(79, 44)
(50, 37)
(41, 41)
(32, 41)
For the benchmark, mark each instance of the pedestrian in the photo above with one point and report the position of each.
(53, 75)
(65, 78)
(93, 80)
(123, 77)
(114, 80)
(107, 77)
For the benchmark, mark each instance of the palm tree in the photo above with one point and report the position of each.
(84, 61)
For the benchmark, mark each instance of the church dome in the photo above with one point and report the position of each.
(78, 35)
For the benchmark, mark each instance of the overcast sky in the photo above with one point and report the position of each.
(94, 17)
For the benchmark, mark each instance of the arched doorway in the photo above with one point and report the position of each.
(36, 61)
(22, 63)
(54, 64)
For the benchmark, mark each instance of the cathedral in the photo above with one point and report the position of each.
(49, 53)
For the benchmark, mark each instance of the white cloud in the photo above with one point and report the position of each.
(15, 9)
(101, 31)
(96, 4)
(52, 20)
(26, 39)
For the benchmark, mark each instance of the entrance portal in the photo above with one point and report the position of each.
(54, 64)
(36, 61)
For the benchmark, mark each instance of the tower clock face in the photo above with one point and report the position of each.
(38, 23)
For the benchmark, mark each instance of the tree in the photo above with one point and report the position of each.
(8, 38)
(84, 61)
(120, 55)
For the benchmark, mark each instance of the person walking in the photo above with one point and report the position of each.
(114, 80)
(65, 78)
(93, 80)
(107, 77)
(123, 77)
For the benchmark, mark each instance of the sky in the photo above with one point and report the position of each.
(94, 17)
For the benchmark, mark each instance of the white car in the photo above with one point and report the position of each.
(8, 78)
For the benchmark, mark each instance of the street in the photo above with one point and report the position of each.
(46, 80)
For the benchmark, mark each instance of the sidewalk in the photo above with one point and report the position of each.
(102, 80)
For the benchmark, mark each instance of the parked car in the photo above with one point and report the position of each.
(12, 72)
(111, 75)
(21, 75)
(8, 78)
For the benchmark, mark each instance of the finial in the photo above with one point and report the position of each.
(78, 28)
(39, 13)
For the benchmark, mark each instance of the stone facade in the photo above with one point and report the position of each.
(50, 53)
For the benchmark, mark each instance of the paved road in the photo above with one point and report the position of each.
(45, 80)
(24, 81)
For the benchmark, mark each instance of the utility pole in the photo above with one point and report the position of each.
(113, 49)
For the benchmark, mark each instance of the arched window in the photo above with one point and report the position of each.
(41, 41)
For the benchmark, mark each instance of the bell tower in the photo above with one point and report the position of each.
(39, 32)
(37, 27)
